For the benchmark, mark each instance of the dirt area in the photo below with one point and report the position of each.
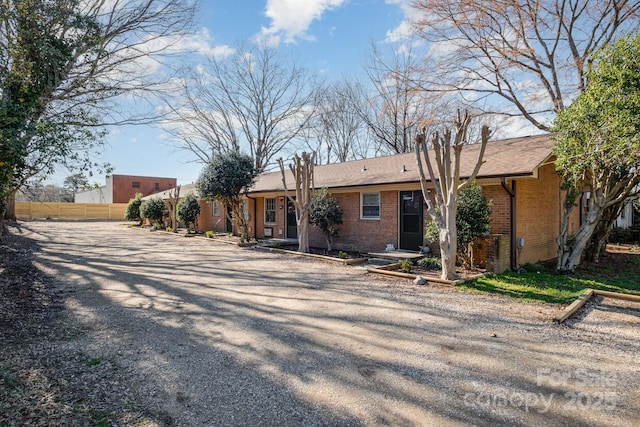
(107, 325)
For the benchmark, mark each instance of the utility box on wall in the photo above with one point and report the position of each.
(268, 232)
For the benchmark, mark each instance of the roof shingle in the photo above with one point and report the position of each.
(509, 157)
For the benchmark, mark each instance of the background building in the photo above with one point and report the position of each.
(121, 188)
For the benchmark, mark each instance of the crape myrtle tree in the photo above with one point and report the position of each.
(521, 58)
(326, 214)
(598, 146)
(227, 179)
(473, 220)
(172, 204)
(63, 66)
(188, 211)
(445, 178)
(303, 193)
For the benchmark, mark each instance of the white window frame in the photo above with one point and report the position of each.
(216, 208)
(266, 199)
(362, 216)
(245, 209)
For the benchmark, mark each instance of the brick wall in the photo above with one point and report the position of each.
(538, 215)
(123, 188)
(207, 221)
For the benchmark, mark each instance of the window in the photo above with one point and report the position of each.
(270, 211)
(157, 186)
(135, 184)
(245, 209)
(216, 208)
(370, 203)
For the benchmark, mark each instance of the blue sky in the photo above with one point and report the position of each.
(329, 37)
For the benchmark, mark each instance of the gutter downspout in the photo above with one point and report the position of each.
(512, 221)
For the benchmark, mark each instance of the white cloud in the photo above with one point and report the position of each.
(202, 43)
(290, 19)
(404, 30)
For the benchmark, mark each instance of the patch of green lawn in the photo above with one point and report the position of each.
(546, 287)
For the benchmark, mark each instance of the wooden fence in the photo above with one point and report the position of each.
(78, 211)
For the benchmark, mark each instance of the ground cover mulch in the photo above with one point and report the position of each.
(334, 253)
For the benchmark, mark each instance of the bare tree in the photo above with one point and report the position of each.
(337, 127)
(399, 105)
(253, 97)
(65, 66)
(530, 54)
(446, 182)
(302, 170)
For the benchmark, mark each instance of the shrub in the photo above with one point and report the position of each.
(169, 229)
(326, 214)
(133, 209)
(430, 263)
(406, 266)
(188, 210)
(209, 234)
(533, 268)
(151, 209)
(342, 255)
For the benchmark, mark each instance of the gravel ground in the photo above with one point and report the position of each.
(156, 329)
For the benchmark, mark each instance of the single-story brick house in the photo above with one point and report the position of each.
(382, 202)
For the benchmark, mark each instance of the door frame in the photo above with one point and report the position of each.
(420, 238)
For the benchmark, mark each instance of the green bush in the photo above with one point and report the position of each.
(326, 214)
(151, 209)
(406, 266)
(133, 209)
(343, 255)
(430, 263)
(533, 268)
(188, 210)
(169, 229)
(209, 234)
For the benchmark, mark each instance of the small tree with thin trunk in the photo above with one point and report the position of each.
(302, 170)
(446, 181)
(188, 211)
(227, 178)
(326, 214)
(152, 210)
(133, 209)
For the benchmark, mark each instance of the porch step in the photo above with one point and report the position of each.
(397, 255)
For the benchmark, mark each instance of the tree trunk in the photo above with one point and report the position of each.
(598, 242)
(449, 244)
(329, 244)
(10, 212)
(570, 254)
(303, 234)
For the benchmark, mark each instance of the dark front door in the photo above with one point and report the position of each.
(229, 224)
(292, 223)
(411, 220)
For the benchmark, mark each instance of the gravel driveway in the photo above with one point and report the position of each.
(205, 333)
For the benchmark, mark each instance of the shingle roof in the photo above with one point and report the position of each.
(184, 190)
(509, 157)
